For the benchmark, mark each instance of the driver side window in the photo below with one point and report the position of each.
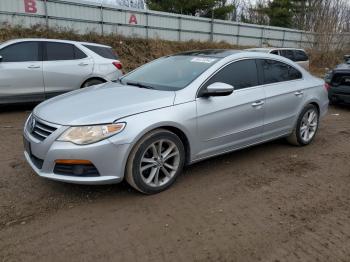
(21, 52)
(240, 74)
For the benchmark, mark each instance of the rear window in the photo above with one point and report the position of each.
(287, 54)
(341, 79)
(105, 52)
(300, 55)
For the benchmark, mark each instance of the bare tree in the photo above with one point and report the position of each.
(329, 21)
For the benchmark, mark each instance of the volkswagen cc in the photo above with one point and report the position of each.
(172, 112)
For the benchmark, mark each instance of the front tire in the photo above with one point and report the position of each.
(155, 162)
(306, 127)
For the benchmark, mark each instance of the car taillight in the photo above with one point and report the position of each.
(327, 86)
(118, 65)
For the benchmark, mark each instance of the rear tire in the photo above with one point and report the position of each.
(306, 127)
(92, 82)
(155, 162)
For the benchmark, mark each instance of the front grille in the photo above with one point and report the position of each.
(76, 170)
(40, 130)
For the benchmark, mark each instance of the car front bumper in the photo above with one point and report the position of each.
(108, 158)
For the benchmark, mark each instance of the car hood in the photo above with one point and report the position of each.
(102, 104)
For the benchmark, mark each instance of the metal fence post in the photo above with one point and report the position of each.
(46, 14)
(284, 37)
(238, 32)
(301, 39)
(212, 26)
(262, 36)
(102, 20)
(180, 28)
(147, 31)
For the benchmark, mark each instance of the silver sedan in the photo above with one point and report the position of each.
(174, 111)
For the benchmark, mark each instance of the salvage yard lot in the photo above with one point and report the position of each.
(270, 202)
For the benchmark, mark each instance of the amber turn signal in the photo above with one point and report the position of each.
(73, 162)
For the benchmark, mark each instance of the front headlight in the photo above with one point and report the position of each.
(83, 135)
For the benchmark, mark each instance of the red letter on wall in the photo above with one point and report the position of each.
(133, 20)
(30, 6)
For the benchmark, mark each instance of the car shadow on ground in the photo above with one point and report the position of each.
(341, 106)
(190, 172)
(13, 108)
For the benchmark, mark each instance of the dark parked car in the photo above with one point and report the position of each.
(338, 82)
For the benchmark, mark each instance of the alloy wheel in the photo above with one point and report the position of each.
(309, 125)
(159, 163)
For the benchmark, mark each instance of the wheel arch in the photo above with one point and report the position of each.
(184, 139)
(174, 129)
(93, 78)
(316, 105)
(314, 102)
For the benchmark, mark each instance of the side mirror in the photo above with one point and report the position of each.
(0, 58)
(218, 89)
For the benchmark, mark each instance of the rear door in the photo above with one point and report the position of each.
(65, 68)
(21, 77)
(284, 90)
(230, 122)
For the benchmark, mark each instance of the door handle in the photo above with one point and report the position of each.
(258, 103)
(299, 93)
(83, 64)
(33, 66)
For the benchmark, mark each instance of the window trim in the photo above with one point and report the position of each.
(261, 84)
(227, 64)
(40, 51)
(44, 56)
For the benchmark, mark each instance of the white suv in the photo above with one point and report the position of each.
(299, 56)
(36, 69)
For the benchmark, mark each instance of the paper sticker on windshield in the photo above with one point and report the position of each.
(203, 60)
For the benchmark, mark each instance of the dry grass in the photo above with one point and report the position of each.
(321, 61)
(134, 52)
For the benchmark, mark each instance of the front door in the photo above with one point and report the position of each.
(234, 121)
(21, 76)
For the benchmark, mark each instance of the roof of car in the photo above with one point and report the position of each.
(55, 40)
(268, 49)
(342, 67)
(217, 53)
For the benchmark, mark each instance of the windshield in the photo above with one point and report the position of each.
(169, 73)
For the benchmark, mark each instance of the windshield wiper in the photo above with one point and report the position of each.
(139, 85)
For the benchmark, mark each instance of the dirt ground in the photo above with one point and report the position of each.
(272, 202)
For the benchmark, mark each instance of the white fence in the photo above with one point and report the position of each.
(84, 17)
